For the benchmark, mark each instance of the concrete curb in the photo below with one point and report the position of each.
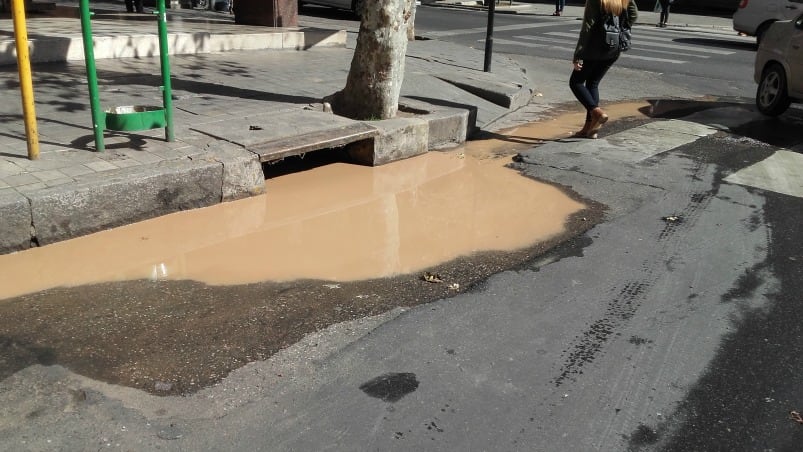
(124, 196)
(447, 127)
(15, 229)
(70, 48)
(128, 195)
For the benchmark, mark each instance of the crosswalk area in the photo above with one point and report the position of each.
(781, 172)
(661, 45)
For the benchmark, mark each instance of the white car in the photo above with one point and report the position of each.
(754, 17)
(779, 67)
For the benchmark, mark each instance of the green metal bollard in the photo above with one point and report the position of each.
(98, 117)
(167, 92)
(133, 117)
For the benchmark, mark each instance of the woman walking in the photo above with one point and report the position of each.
(593, 57)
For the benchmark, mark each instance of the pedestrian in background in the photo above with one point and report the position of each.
(559, 4)
(131, 5)
(664, 12)
(593, 57)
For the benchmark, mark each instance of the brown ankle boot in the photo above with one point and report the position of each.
(598, 118)
(585, 132)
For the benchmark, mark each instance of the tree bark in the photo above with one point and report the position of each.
(411, 23)
(377, 68)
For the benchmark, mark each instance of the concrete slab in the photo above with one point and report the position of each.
(314, 141)
(631, 146)
(274, 136)
(510, 95)
(726, 118)
(782, 172)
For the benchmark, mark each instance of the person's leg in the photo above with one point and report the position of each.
(138, 6)
(596, 72)
(664, 12)
(577, 83)
(129, 6)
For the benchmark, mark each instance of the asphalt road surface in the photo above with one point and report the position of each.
(717, 62)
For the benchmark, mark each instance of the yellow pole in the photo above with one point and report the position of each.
(26, 86)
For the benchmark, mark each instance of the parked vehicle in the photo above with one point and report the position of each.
(754, 17)
(349, 5)
(779, 67)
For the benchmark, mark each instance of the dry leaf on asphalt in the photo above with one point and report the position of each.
(795, 416)
(432, 277)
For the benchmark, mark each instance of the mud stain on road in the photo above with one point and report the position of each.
(176, 337)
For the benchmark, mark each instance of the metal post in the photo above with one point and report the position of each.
(489, 36)
(26, 85)
(98, 117)
(164, 57)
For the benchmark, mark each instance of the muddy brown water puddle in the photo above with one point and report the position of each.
(338, 222)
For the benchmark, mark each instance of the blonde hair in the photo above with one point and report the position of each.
(615, 7)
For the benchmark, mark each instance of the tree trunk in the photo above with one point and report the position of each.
(377, 68)
(411, 23)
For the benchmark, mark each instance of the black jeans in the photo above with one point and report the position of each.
(585, 82)
(664, 11)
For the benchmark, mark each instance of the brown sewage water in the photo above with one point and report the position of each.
(338, 222)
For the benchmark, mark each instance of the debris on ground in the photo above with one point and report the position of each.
(432, 277)
(454, 286)
(672, 218)
(795, 416)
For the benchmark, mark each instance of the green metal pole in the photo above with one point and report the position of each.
(98, 117)
(167, 92)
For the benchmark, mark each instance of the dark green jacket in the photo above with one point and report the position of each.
(586, 50)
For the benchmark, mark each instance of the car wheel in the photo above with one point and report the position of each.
(772, 98)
